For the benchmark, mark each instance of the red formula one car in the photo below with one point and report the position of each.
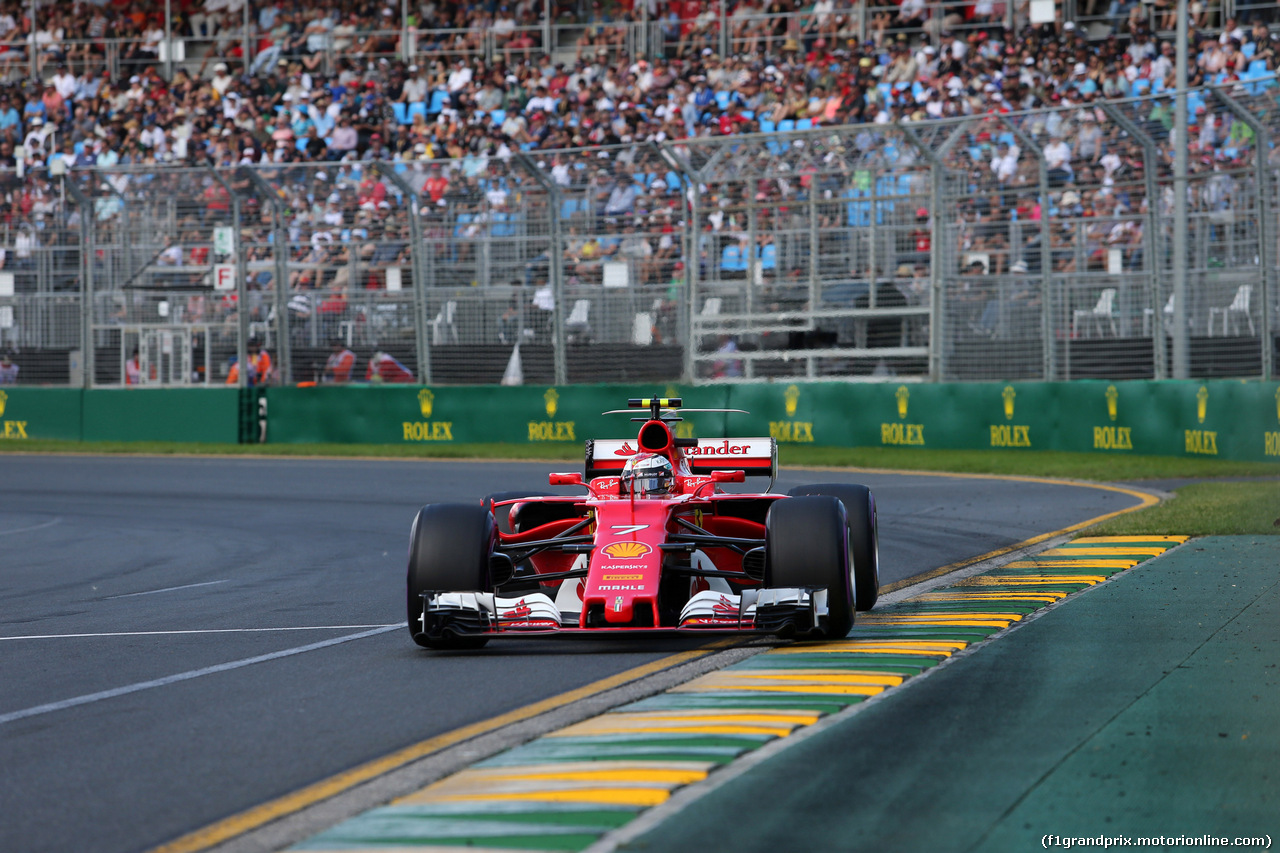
(655, 545)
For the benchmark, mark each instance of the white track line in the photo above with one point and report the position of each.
(185, 676)
(195, 631)
(50, 523)
(166, 589)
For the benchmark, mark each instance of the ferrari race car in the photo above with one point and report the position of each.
(654, 545)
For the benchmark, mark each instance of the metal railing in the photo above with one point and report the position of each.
(1018, 246)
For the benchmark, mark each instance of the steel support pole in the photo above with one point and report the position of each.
(555, 265)
(242, 284)
(1181, 344)
(280, 235)
(87, 254)
(416, 270)
(937, 235)
(1048, 352)
(1150, 158)
(1264, 191)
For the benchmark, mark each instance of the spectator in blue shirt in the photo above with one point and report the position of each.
(8, 115)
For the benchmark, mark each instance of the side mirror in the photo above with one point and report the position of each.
(574, 479)
(728, 476)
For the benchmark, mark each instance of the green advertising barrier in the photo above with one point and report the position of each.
(162, 414)
(1222, 418)
(40, 413)
(1217, 418)
(385, 414)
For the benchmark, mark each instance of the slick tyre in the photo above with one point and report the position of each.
(449, 548)
(864, 538)
(807, 546)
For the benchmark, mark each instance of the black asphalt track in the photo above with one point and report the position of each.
(144, 548)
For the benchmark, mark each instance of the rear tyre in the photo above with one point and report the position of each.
(807, 546)
(449, 548)
(864, 538)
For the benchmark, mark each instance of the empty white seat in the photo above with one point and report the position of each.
(1104, 310)
(442, 327)
(1238, 308)
(642, 329)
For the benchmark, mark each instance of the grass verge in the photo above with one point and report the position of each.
(1205, 509)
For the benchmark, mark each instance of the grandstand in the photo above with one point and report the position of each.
(916, 190)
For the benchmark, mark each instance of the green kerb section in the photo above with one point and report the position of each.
(520, 800)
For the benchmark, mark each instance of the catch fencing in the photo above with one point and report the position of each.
(1024, 246)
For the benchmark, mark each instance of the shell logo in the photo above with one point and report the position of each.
(625, 550)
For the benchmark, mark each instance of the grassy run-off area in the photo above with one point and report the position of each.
(1222, 507)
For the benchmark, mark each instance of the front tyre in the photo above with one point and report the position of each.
(449, 548)
(864, 538)
(807, 546)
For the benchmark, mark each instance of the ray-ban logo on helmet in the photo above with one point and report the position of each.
(626, 550)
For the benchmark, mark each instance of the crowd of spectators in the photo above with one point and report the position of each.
(323, 85)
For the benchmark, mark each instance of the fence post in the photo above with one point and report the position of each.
(415, 270)
(1046, 261)
(555, 258)
(86, 257)
(1150, 158)
(280, 253)
(1260, 135)
(937, 175)
(242, 285)
(690, 253)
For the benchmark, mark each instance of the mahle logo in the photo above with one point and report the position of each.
(426, 401)
(791, 399)
(903, 396)
(1008, 395)
(1113, 399)
(552, 398)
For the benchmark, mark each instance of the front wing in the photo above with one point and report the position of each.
(786, 612)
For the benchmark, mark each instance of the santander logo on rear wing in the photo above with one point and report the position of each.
(755, 456)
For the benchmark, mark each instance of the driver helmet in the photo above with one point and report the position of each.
(647, 475)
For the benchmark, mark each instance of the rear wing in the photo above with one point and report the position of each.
(758, 457)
